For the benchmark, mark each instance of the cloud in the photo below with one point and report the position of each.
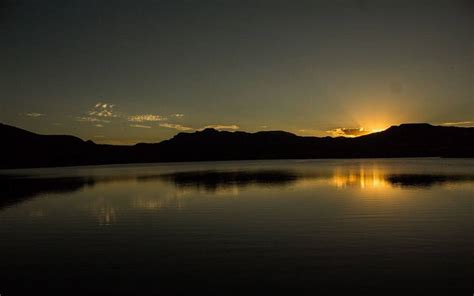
(34, 114)
(222, 127)
(348, 132)
(178, 127)
(99, 125)
(146, 117)
(103, 110)
(91, 119)
(140, 126)
(177, 115)
(460, 123)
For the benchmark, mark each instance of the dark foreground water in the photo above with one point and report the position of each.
(399, 226)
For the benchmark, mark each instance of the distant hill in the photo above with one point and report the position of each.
(21, 148)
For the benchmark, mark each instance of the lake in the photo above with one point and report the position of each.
(386, 226)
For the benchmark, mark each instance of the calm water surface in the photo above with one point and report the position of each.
(294, 226)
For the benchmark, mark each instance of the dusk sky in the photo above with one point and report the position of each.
(142, 71)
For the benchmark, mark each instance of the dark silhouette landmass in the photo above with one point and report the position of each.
(21, 148)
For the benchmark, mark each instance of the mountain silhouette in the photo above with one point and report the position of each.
(21, 148)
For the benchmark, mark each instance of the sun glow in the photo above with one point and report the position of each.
(367, 178)
(377, 130)
(364, 178)
(375, 125)
(373, 113)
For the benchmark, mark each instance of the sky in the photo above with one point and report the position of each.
(123, 72)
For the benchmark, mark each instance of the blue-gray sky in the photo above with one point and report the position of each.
(132, 71)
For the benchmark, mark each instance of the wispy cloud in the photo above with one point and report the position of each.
(348, 132)
(222, 127)
(178, 127)
(140, 126)
(34, 114)
(91, 119)
(146, 117)
(310, 132)
(467, 123)
(103, 110)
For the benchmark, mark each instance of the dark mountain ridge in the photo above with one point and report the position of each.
(21, 148)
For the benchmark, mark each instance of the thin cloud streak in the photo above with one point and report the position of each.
(146, 117)
(140, 126)
(310, 132)
(90, 119)
(178, 127)
(34, 114)
(222, 127)
(467, 123)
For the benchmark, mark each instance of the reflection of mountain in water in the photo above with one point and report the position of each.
(421, 180)
(213, 180)
(16, 189)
